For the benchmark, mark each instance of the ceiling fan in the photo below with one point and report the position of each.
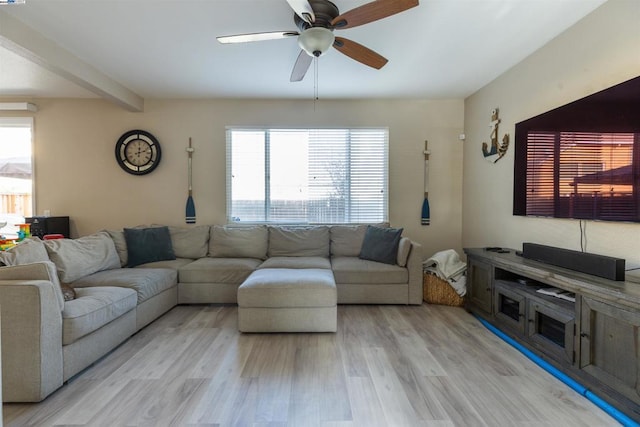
(316, 20)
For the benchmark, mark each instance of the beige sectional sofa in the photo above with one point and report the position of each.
(46, 339)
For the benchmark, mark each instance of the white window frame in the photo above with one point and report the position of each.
(10, 230)
(383, 177)
(23, 122)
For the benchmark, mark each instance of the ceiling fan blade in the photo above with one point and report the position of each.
(256, 37)
(360, 53)
(301, 66)
(370, 12)
(303, 9)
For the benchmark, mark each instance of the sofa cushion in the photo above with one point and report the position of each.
(44, 270)
(297, 262)
(352, 270)
(404, 247)
(121, 245)
(381, 244)
(299, 241)
(148, 245)
(172, 263)
(93, 308)
(26, 252)
(238, 242)
(147, 282)
(218, 270)
(284, 287)
(190, 242)
(346, 240)
(75, 258)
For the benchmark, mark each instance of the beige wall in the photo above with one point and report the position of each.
(600, 51)
(77, 175)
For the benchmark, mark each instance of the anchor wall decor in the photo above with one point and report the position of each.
(497, 150)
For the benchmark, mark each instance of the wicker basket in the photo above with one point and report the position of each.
(438, 291)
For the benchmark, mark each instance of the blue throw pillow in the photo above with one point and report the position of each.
(381, 244)
(148, 245)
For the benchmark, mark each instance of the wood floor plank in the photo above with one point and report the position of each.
(334, 398)
(306, 388)
(395, 403)
(83, 409)
(422, 365)
(172, 397)
(225, 370)
(364, 401)
(355, 332)
(273, 370)
(454, 402)
(24, 414)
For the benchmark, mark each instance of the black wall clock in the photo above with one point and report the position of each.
(138, 152)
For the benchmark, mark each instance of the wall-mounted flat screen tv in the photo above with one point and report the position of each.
(582, 160)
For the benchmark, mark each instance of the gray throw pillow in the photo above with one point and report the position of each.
(148, 245)
(381, 244)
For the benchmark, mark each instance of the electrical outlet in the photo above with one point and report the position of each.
(47, 212)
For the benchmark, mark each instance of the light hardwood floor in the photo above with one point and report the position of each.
(423, 365)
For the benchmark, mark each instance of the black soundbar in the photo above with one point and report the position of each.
(597, 265)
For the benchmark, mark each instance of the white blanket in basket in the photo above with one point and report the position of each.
(448, 266)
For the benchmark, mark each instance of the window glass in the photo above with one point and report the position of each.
(16, 173)
(307, 175)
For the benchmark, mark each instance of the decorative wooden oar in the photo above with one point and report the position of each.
(426, 220)
(190, 210)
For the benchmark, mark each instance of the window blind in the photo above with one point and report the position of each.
(307, 175)
(584, 175)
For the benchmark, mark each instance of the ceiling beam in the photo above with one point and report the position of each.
(28, 43)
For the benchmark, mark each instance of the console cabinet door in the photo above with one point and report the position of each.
(551, 329)
(510, 307)
(610, 346)
(480, 283)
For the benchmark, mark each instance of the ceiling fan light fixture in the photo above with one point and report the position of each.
(316, 40)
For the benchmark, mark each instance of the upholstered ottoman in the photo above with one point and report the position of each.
(288, 300)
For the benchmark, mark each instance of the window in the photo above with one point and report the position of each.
(586, 175)
(307, 175)
(16, 179)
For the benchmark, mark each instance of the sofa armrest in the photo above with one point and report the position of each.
(42, 270)
(414, 265)
(31, 340)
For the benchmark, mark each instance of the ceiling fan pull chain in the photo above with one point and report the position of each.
(315, 79)
(315, 82)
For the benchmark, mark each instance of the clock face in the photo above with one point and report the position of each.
(138, 152)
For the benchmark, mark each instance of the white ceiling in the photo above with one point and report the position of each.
(168, 48)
